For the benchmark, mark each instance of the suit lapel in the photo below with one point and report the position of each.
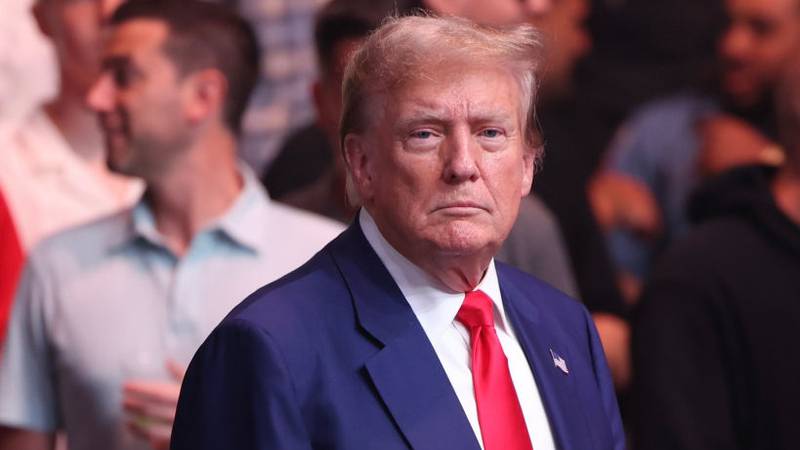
(406, 372)
(539, 339)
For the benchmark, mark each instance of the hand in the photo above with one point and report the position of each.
(728, 142)
(615, 336)
(621, 201)
(150, 406)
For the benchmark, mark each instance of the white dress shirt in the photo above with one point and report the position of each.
(436, 307)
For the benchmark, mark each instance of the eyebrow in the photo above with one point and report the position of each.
(439, 116)
(422, 117)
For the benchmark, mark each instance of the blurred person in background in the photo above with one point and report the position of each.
(11, 260)
(280, 102)
(54, 172)
(559, 182)
(108, 314)
(663, 151)
(308, 171)
(715, 338)
(641, 50)
(54, 166)
(27, 65)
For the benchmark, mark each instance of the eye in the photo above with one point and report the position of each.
(491, 133)
(761, 27)
(121, 76)
(422, 134)
(423, 139)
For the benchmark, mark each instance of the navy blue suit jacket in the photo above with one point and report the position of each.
(332, 357)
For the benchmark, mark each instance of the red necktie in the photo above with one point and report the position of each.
(499, 414)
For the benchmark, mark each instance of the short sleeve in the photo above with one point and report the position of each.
(27, 385)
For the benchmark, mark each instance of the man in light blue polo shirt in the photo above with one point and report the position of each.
(108, 314)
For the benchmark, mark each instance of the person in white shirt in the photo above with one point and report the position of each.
(54, 164)
(27, 65)
(108, 314)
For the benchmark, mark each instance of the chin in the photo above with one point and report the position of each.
(743, 95)
(465, 238)
(120, 167)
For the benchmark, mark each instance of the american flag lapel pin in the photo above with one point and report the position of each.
(559, 362)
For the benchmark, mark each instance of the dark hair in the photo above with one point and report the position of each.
(204, 35)
(340, 20)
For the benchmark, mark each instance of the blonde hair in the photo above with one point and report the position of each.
(413, 48)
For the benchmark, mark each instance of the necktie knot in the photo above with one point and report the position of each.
(476, 311)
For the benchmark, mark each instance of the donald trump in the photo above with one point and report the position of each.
(404, 332)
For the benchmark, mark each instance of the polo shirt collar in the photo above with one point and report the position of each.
(243, 223)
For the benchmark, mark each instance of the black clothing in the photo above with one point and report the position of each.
(302, 160)
(641, 50)
(561, 184)
(715, 344)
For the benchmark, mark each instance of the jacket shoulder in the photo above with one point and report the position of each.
(534, 289)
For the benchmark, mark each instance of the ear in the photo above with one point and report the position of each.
(528, 168)
(206, 92)
(357, 158)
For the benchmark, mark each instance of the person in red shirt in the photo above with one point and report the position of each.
(11, 258)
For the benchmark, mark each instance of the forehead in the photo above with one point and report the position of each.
(459, 91)
(136, 36)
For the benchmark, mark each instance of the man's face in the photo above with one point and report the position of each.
(75, 27)
(446, 163)
(139, 99)
(758, 43)
(492, 12)
(568, 41)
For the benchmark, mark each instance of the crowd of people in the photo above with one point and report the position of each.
(614, 184)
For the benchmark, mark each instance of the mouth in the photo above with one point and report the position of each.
(462, 208)
(114, 133)
(738, 82)
(114, 122)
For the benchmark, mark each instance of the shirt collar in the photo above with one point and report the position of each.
(243, 223)
(434, 304)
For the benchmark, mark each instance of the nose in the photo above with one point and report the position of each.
(537, 7)
(460, 159)
(101, 95)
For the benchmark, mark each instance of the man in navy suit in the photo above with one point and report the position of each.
(404, 332)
